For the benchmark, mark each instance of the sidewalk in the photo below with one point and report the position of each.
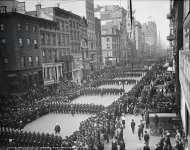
(131, 140)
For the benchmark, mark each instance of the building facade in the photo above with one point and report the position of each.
(20, 52)
(183, 10)
(139, 40)
(179, 42)
(85, 8)
(114, 17)
(51, 69)
(111, 43)
(70, 34)
(99, 62)
(150, 34)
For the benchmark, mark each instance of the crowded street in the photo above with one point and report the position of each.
(94, 75)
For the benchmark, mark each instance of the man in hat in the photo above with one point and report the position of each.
(57, 128)
(133, 125)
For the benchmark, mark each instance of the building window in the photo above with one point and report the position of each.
(3, 41)
(5, 60)
(37, 60)
(30, 60)
(28, 42)
(20, 42)
(43, 53)
(35, 44)
(108, 39)
(22, 61)
(2, 27)
(34, 29)
(42, 38)
(27, 27)
(19, 27)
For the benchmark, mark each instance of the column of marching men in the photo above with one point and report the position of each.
(113, 82)
(105, 125)
(78, 139)
(59, 107)
(103, 91)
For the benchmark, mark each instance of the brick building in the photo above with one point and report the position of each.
(71, 32)
(111, 42)
(52, 70)
(20, 52)
(98, 44)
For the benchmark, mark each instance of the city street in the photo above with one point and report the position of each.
(67, 122)
(132, 141)
(71, 72)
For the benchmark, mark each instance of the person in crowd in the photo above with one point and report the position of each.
(142, 128)
(167, 146)
(57, 128)
(156, 121)
(158, 147)
(122, 145)
(133, 126)
(123, 120)
(100, 146)
(146, 138)
(167, 138)
(146, 147)
(139, 132)
(114, 144)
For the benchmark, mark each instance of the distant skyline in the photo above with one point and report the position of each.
(145, 10)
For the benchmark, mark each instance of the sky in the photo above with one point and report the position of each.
(145, 10)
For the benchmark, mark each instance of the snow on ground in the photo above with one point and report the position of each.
(67, 122)
(97, 100)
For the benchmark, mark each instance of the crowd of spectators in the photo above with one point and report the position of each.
(102, 126)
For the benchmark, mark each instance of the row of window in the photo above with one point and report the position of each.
(63, 25)
(27, 28)
(74, 24)
(20, 27)
(63, 40)
(75, 35)
(25, 60)
(20, 41)
(48, 39)
(29, 42)
(29, 61)
(50, 73)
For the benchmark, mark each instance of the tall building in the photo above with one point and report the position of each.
(85, 8)
(179, 40)
(110, 45)
(98, 44)
(69, 37)
(52, 70)
(139, 39)
(114, 17)
(150, 34)
(20, 52)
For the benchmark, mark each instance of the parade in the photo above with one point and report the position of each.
(105, 124)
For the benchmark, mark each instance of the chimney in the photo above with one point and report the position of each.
(38, 7)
